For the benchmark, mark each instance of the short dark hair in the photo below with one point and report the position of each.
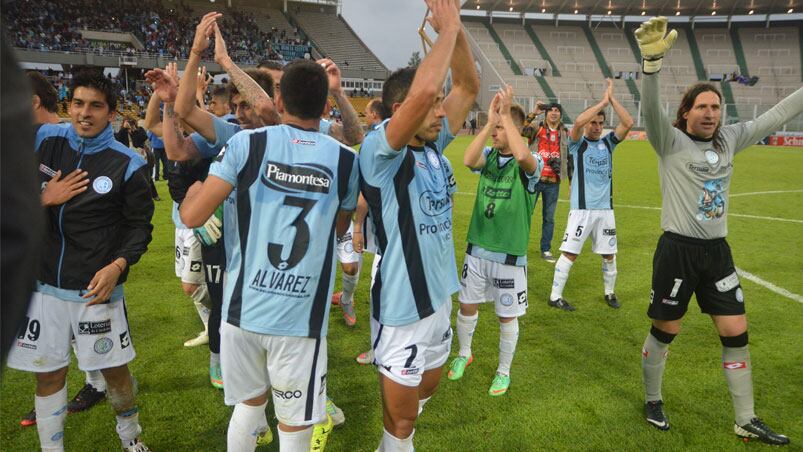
(48, 96)
(263, 79)
(517, 113)
(220, 91)
(602, 113)
(94, 79)
(375, 105)
(305, 89)
(270, 64)
(396, 87)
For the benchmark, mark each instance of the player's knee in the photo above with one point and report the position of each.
(734, 341)
(350, 268)
(292, 428)
(48, 383)
(663, 336)
(570, 256)
(189, 288)
(258, 400)
(468, 309)
(507, 319)
(402, 427)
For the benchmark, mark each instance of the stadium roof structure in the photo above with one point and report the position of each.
(622, 8)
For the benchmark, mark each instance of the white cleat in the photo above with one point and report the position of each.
(202, 339)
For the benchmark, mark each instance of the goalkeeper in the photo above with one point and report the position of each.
(696, 154)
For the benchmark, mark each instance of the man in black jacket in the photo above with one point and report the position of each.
(93, 233)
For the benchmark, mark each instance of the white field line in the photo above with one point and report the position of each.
(766, 193)
(628, 206)
(769, 286)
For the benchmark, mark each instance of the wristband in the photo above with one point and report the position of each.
(118, 266)
(651, 65)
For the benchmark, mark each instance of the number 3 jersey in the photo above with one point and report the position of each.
(279, 228)
(408, 194)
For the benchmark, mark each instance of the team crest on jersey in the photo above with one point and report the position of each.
(301, 177)
(433, 159)
(102, 185)
(711, 157)
(506, 299)
(711, 203)
(434, 203)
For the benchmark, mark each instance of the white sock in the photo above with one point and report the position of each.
(508, 337)
(295, 441)
(562, 268)
(51, 411)
(246, 421)
(609, 274)
(214, 359)
(128, 428)
(465, 332)
(95, 378)
(421, 403)
(392, 444)
(349, 284)
(201, 300)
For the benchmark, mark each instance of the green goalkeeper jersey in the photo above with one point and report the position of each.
(500, 224)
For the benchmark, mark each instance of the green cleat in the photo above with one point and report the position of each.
(499, 385)
(216, 376)
(320, 433)
(264, 437)
(458, 367)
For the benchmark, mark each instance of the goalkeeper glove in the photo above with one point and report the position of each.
(212, 230)
(653, 44)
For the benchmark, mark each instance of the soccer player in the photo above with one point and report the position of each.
(43, 103)
(551, 142)
(591, 209)
(282, 186)
(696, 155)
(495, 266)
(219, 104)
(94, 233)
(406, 185)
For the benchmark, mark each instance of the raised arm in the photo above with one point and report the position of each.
(350, 132)
(773, 119)
(473, 156)
(201, 84)
(152, 120)
(465, 83)
(590, 113)
(521, 153)
(653, 46)
(165, 84)
(428, 82)
(360, 213)
(256, 97)
(625, 120)
(185, 106)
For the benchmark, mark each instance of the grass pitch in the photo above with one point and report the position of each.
(576, 377)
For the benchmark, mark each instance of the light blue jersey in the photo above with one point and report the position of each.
(325, 126)
(408, 194)
(279, 228)
(593, 167)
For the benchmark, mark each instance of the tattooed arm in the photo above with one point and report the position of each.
(177, 146)
(350, 132)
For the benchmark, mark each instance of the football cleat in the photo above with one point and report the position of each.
(366, 357)
(560, 303)
(654, 410)
(136, 446)
(320, 433)
(499, 385)
(86, 398)
(338, 418)
(336, 298)
(458, 367)
(216, 376)
(612, 301)
(29, 419)
(349, 315)
(264, 437)
(549, 257)
(758, 429)
(202, 339)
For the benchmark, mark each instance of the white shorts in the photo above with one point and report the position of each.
(600, 224)
(505, 285)
(294, 368)
(345, 248)
(404, 353)
(189, 262)
(102, 338)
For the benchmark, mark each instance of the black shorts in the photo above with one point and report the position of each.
(682, 266)
(214, 267)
